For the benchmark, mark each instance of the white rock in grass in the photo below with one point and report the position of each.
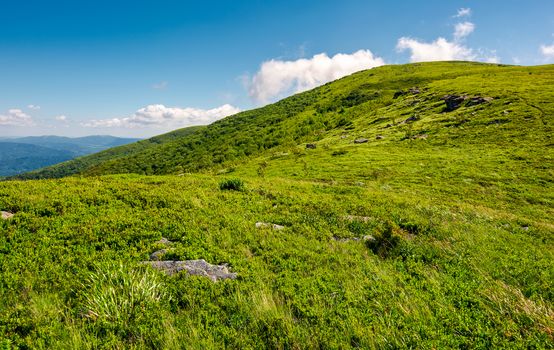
(6, 215)
(268, 224)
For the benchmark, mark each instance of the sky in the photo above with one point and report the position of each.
(142, 68)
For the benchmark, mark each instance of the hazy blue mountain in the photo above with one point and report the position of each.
(19, 155)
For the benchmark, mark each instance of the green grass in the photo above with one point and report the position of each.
(461, 220)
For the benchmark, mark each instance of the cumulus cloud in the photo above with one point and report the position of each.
(61, 118)
(16, 117)
(463, 12)
(461, 30)
(277, 78)
(443, 49)
(166, 117)
(33, 107)
(547, 51)
(438, 50)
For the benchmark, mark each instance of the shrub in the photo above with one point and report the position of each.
(232, 185)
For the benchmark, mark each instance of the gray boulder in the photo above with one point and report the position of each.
(362, 140)
(158, 254)
(194, 267)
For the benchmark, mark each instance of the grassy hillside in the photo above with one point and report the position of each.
(435, 233)
(359, 105)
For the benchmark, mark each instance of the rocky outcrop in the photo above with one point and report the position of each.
(454, 102)
(194, 267)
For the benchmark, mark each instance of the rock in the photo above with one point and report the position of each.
(362, 140)
(157, 255)
(355, 239)
(343, 137)
(473, 101)
(164, 241)
(397, 94)
(414, 90)
(268, 224)
(194, 267)
(411, 119)
(6, 215)
(379, 137)
(359, 184)
(454, 101)
(420, 137)
(311, 146)
(358, 218)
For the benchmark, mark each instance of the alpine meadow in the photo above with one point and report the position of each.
(404, 206)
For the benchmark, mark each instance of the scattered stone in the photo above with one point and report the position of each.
(358, 218)
(453, 101)
(164, 241)
(359, 184)
(414, 90)
(6, 215)
(505, 112)
(420, 137)
(411, 119)
(355, 239)
(268, 224)
(194, 267)
(362, 140)
(525, 228)
(397, 94)
(311, 146)
(474, 101)
(379, 137)
(158, 254)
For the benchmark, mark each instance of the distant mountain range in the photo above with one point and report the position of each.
(19, 155)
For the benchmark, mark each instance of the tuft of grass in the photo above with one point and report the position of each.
(122, 295)
(232, 185)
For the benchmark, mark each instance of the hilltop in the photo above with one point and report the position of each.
(405, 206)
(362, 104)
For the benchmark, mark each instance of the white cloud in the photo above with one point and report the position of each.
(438, 50)
(166, 117)
(463, 29)
(547, 51)
(33, 107)
(160, 86)
(61, 118)
(16, 117)
(463, 12)
(277, 78)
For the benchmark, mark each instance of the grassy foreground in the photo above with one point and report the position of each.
(444, 274)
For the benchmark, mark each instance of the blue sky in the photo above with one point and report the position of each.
(140, 68)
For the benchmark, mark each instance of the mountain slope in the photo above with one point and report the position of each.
(517, 101)
(75, 166)
(20, 157)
